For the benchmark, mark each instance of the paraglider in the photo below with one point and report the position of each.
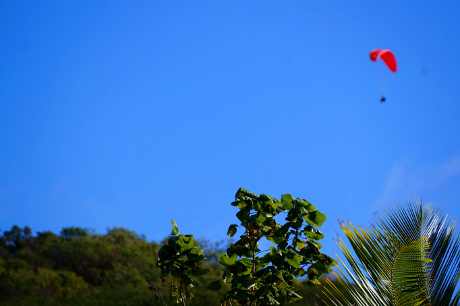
(388, 58)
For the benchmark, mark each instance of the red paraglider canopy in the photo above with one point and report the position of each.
(387, 56)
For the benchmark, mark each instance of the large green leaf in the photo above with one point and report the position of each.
(315, 218)
(223, 259)
(231, 230)
(246, 261)
(243, 214)
(312, 233)
(175, 230)
(241, 193)
(165, 252)
(286, 200)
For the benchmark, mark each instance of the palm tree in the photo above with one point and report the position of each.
(410, 257)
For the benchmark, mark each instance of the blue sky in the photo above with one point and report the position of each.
(127, 114)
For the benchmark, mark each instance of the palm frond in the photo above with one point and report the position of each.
(412, 220)
(389, 272)
(411, 257)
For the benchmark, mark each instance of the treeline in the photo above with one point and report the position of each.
(79, 267)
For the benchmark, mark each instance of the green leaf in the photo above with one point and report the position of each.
(239, 248)
(223, 259)
(241, 204)
(312, 282)
(257, 205)
(243, 214)
(313, 273)
(300, 243)
(188, 243)
(311, 249)
(243, 282)
(167, 269)
(279, 274)
(293, 263)
(267, 215)
(267, 199)
(235, 203)
(318, 244)
(240, 269)
(294, 255)
(315, 218)
(312, 233)
(175, 230)
(307, 205)
(303, 210)
(275, 239)
(165, 252)
(231, 230)
(195, 255)
(215, 285)
(328, 260)
(286, 201)
(310, 207)
(282, 245)
(322, 267)
(246, 261)
(241, 193)
(297, 223)
(258, 218)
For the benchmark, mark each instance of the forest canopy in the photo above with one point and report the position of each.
(80, 267)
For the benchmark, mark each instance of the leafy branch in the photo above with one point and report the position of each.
(180, 259)
(269, 280)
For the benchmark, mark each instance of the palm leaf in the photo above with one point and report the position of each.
(411, 257)
(412, 220)
(389, 272)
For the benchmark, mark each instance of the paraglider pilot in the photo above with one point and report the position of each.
(388, 58)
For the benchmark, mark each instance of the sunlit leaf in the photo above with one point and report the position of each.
(286, 201)
(223, 259)
(175, 229)
(312, 233)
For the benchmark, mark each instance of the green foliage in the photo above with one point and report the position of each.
(79, 267)
(412, 257)
(270, 279)
(180, 259)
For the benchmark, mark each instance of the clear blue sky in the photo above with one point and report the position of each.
(122, 113)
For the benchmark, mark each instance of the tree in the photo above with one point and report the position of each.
(180, 258)
(269, 279)
(77, 267)
(410, 257)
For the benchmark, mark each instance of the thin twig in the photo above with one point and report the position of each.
(182, 298)
(157, 291)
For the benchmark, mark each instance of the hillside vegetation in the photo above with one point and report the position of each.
(80, 267)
